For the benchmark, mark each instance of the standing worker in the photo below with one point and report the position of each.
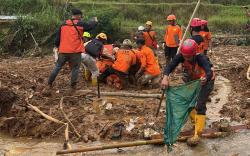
(195, 28)
(150, 36)
(198, 67)
(173, 35)
(207, 37)
(69, 44)
(139, 33)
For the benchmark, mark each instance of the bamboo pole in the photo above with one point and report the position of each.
(189, 23)
(110, 146)
(208, 133)
(123, 94)
(45, 115)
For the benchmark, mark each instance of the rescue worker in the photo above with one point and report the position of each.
(139, 33)
(198, 67)
(195, 28)
(69, 44)
(93, 51)
(86, 37)
(207, 37)
(173, 35)
(102, 64)
(150, 36)
(125, 58)
(149, 70)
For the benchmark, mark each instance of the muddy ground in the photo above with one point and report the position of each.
(27, 77)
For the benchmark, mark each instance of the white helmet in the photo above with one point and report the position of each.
(141, 28)
(127, 42)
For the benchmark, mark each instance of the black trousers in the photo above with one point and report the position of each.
(170, 52)
(110, 71)
(203, 97)
(74, 59)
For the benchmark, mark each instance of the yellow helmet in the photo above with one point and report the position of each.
(149, 23)
(102, 36)
(86, 34)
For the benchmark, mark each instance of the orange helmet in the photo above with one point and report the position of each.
(171, 18)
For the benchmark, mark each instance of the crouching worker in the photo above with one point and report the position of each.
(93, 51)
(117, 74)
(149, 70)
(197, 67)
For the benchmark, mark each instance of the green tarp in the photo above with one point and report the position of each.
(180, 102)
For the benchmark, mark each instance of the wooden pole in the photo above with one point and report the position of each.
(110, 146)
(208, 133)
(122, 94)
(192, 16)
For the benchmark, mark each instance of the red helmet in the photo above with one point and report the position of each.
(171, 17)
(196, 22)
(189, 48)
(204, 22)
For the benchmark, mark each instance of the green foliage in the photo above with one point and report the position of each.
(109, 22)
(40, 23)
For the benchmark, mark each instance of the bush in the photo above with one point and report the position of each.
(109, 22)
(40, 23)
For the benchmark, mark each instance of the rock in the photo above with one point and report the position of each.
(224, 125)
(85, 138)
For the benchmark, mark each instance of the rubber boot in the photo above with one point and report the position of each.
(192, 115)
(94, 81)
(199, 125)
(87, 74)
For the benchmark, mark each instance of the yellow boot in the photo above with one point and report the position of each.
(199, 125)
(192, 115)
(94, 81)
(87, 74)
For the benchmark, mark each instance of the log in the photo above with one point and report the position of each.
(123, 94)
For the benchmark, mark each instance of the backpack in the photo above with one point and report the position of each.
(94, 48)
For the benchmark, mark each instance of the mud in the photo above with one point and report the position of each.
(7, 98)
(97, 120)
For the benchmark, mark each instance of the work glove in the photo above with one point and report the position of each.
(55, 50)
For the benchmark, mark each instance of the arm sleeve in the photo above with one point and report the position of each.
(176, 60)
(203, 62)
(58, 36)
(89, 25)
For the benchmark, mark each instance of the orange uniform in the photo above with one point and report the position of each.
(170, 33)
(150, 39)
(124, 60)
(69, 38)
(102, 65)
(148, 61)
(207, 38)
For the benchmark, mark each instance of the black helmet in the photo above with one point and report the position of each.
(76, 12)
